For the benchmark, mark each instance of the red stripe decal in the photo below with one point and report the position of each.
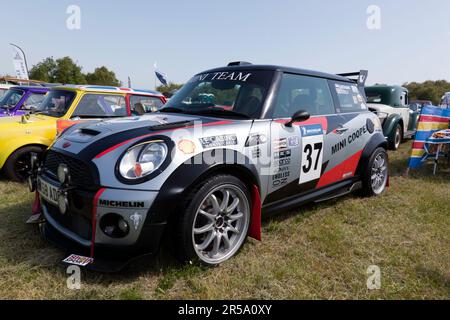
(313, 120)
(336, 174)
(255, 226)
(424, 118)
(94, 218)
(418, 145)
(101, 154)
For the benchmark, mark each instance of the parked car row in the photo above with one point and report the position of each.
(31, 116)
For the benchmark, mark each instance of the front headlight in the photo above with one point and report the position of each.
(143, 159)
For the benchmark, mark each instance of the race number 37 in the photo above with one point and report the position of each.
(312, 153)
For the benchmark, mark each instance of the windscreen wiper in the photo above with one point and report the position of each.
(172, 110)
(221, 112)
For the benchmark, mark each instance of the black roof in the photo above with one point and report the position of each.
(280, 68)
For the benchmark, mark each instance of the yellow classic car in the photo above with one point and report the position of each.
(21, 136)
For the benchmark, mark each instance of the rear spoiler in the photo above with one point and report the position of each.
(359, 78)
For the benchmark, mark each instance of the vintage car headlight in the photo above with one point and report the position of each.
(143, 159)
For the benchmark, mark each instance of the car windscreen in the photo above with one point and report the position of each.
(223, 94)
(377, 97)
(11, 98)
(56, 103)
(101, 106)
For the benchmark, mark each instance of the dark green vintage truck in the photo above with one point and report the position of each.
(390, 103)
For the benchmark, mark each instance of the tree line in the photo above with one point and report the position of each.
(428, 90)
(66, 71)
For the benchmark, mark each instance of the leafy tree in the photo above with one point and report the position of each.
(44, 71)
(166, 90)
(103, 76)
(67, 71)
(428, 90)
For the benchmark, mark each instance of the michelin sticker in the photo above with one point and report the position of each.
(312, 153)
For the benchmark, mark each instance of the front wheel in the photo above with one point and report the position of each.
(376, 173)
(215, 223)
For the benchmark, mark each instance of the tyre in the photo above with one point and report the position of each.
(215, 221)
(396, 140)
(18, 164)
(375, 174)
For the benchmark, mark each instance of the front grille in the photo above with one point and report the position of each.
(73, 221)
(80, 174)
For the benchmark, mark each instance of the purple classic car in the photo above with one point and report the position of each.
(21, 99)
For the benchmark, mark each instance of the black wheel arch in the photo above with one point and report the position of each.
(376, 141)
(188, 176)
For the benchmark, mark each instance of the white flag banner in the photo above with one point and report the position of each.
(20, 65)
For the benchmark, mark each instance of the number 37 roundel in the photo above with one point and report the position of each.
(312, 153)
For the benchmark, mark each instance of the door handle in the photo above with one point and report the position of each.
(341, 130)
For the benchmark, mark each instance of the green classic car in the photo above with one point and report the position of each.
(390, 103)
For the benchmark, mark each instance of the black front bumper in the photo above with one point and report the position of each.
(109, 258)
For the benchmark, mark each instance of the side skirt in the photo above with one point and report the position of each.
(327, 193)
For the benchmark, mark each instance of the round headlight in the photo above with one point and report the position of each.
(143, 159)
(63, 174)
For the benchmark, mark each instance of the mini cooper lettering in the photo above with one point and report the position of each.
(121, 204)
(349, 140)
(219, 141)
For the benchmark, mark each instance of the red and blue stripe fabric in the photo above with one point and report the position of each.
(431, 119)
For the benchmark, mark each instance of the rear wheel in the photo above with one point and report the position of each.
(215, 222)
(17, 166)
(376, 172)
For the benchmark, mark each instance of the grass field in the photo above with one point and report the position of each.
(317, 251)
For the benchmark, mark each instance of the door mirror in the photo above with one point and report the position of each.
(299, 116)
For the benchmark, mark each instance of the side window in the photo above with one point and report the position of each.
(101, 105)
(350, 99)
(404, 99)
(150, 104)
(33, 101)
(303, 93)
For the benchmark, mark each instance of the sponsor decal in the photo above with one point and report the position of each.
(121, 204)
(280, 144)
(293, 141)
(219, 141)
(256, 152)
(136, 218)
(186, 146)
(78, 260)
(255, 140)
(311, 130)
(281, 176)
(343, 89)
(282, 154)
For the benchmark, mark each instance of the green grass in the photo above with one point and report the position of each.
(316, 251)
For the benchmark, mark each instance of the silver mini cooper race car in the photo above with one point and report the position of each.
(235, 143)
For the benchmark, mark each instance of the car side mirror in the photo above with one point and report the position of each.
(298, 116)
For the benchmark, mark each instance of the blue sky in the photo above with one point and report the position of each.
(186, 37)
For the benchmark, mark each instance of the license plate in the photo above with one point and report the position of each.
(78, 260)
(48, 191)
